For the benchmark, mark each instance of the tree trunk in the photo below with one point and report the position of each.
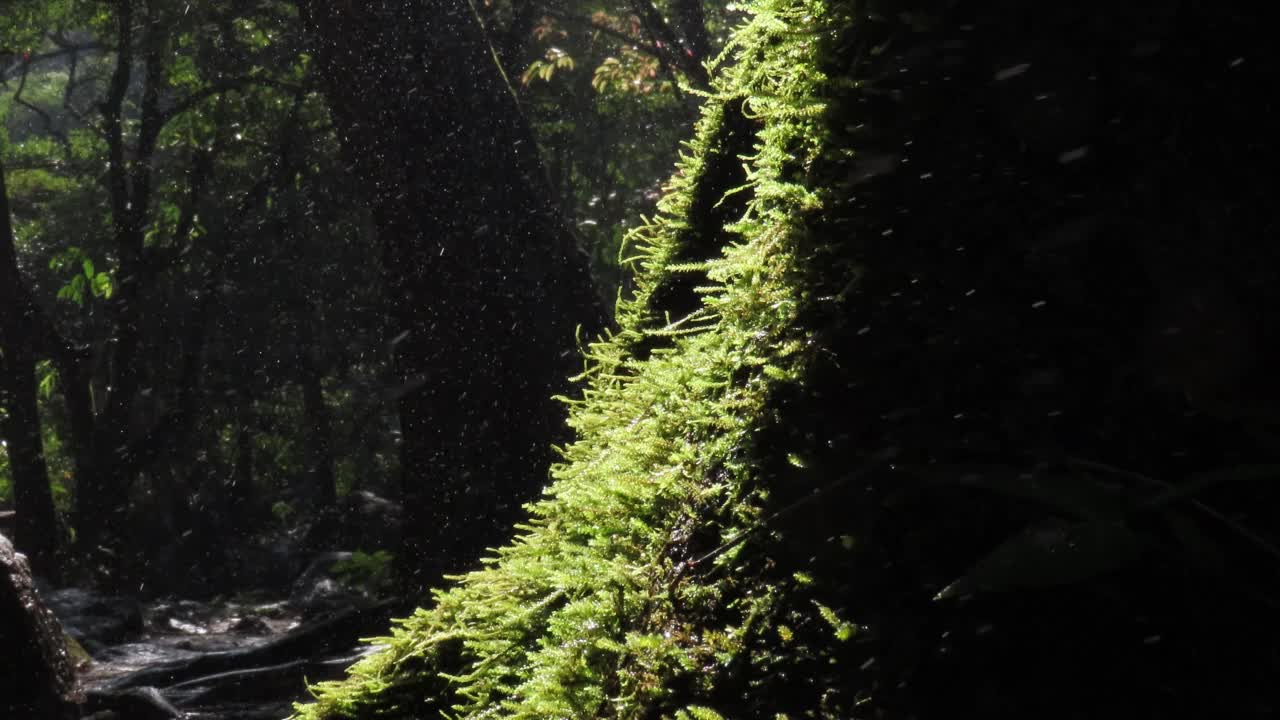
(36, 522)
(36, 676)
(102, 495)
(320, 490)
(487, 288)
(693, 27)
(510, 42)
(239, 496)
(76, 379)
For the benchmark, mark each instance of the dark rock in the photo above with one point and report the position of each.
(97, 621)
(36, 675)
(251, 626)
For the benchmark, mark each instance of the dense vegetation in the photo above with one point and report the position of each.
(939, 383)
(225, 324)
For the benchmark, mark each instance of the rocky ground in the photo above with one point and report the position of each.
(245, 656)
(241, 659)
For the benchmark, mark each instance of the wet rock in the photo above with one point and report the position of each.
(188, 616)
(259, 684)
(250, 626)
(299, 653)
(36, 676)
(245, 711)
(274, 611)
(145, 703)
(97, 621)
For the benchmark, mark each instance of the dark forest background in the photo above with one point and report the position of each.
(208, 345)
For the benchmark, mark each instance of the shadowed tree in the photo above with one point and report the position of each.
(19, 414)
(487, 288)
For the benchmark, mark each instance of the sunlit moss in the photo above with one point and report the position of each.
(588, 611)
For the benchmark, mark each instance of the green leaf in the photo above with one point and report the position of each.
(530, 72)
(74, 290)
(102, 286)
(844, 630)
(48, 379)
(88, 268)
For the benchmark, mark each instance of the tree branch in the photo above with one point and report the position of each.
(43, 114)
(112, 109)
(220, 87)
(660, 31)
(637, 43)
(73, 50)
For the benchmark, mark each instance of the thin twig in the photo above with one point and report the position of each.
(634, 42)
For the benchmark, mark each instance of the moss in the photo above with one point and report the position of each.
(79, 656)
(876, 248)
(591, 610)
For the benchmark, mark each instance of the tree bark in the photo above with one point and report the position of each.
(510, 41)
(693, 27)
(102, 494)
(684, 49)
(240, 494)
(487, 287)
(36, 527)
(36, 676)
(321, 491)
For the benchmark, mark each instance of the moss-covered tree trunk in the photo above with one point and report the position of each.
(956, 403)
(487, 289)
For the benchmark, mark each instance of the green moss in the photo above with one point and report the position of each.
(598, 608)
(806, 297)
